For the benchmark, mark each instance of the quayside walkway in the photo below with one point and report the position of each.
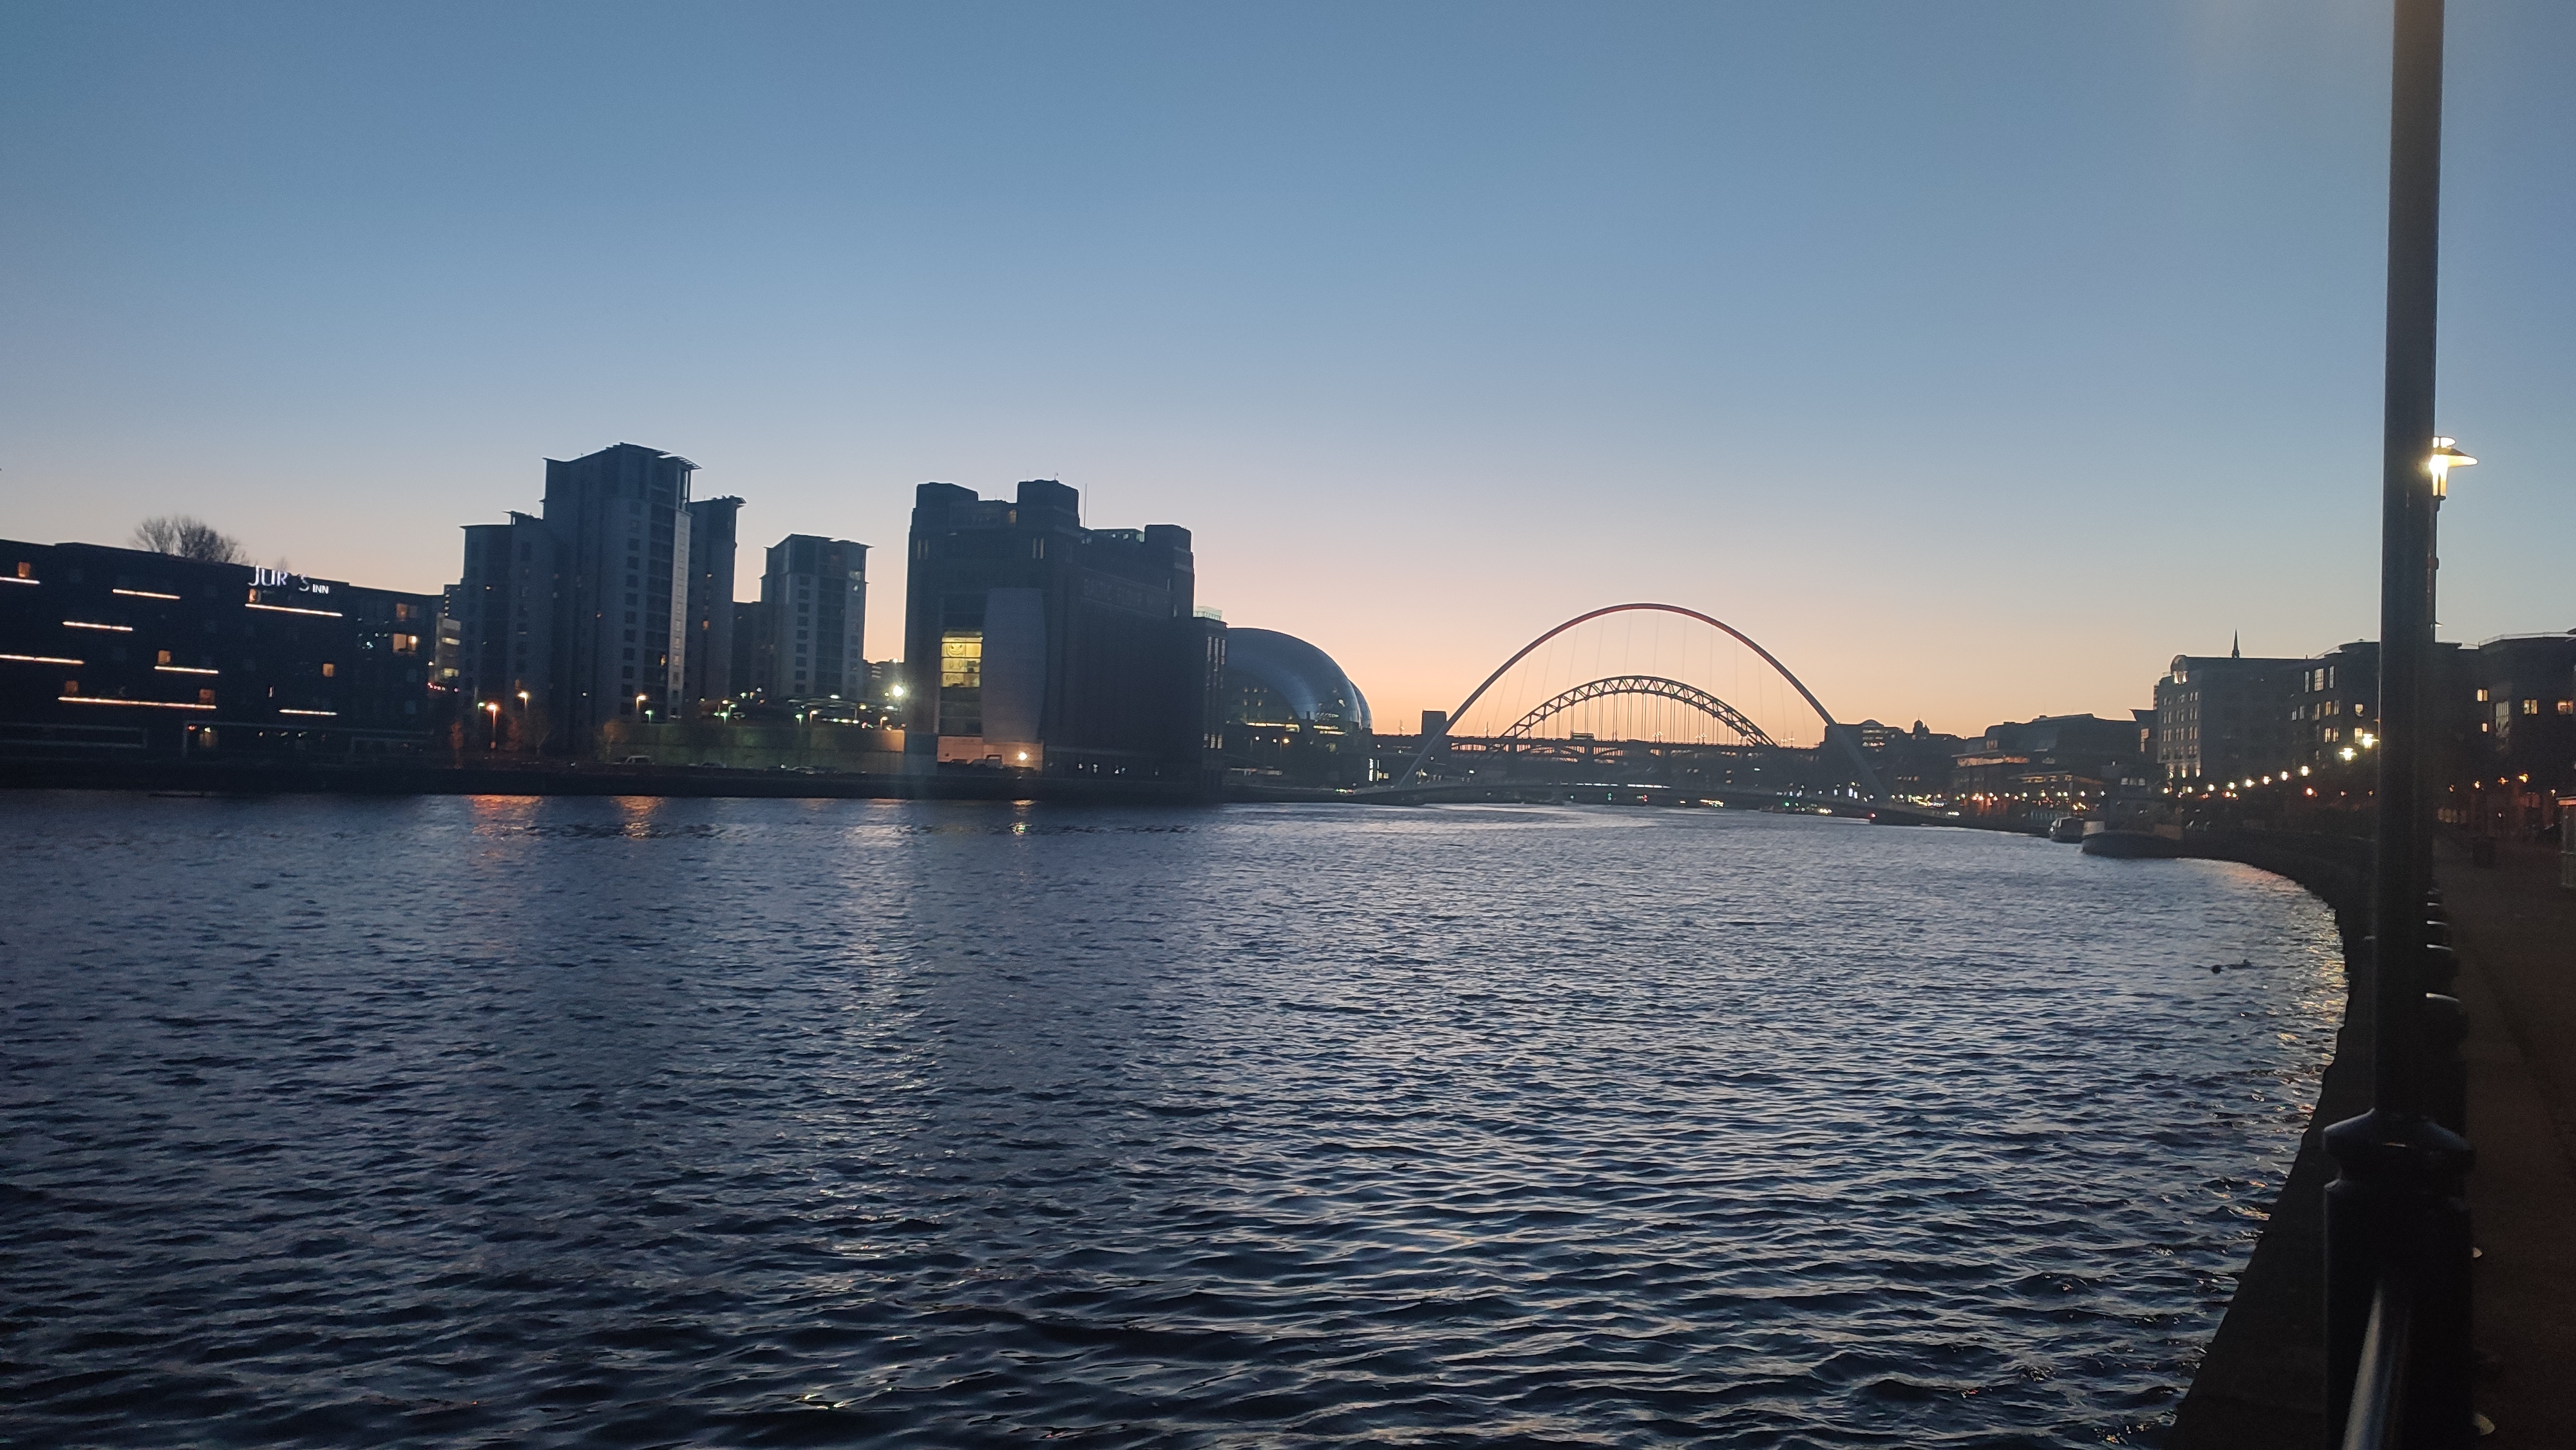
(2262, 1383)
(2515, 931)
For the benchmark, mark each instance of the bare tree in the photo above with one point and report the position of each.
(189, 538)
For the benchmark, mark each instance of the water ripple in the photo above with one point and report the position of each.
(636, 1122)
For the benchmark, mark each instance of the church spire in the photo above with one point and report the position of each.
(2236, 645)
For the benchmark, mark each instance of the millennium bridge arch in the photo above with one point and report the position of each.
(1651, 686)
(1833, 730)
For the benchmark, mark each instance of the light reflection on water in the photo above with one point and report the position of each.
(648, 1122)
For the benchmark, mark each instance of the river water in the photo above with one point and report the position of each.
(625, 1123)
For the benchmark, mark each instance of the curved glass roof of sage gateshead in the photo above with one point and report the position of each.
(1303, 678)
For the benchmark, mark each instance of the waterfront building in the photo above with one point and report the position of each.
(2228, 717)
(2338, 697)
(1291, 714)
(2336, 719)
(579, 616)
(446, 667)
(1915, 764)
(2066, 759)
(750, 662)
(2526, 698)
(813, 617)
(707, 671)
(1036, 643)
(120, 653)
(506, 625)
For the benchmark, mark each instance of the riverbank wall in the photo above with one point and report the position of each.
(2262, 1381)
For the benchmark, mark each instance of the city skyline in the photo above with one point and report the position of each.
(1433, 328)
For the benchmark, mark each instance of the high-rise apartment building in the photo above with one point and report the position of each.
(580, 616)
(750, 649)
(813, 616)
(708, 672)
(506, 627)
(1035, 643)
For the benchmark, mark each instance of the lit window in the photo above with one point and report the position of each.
(71, 687)
(406, 644)
(205, 697)
(961, 659)
(2482, 697)
(329, 669)
(164, 658)
(2531, 707)
(2567, 707)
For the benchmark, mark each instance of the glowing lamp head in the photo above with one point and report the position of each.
(2446, 456)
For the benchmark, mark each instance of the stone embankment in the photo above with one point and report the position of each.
(2262, 1383)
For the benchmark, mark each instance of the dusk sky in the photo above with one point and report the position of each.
(1976, 358)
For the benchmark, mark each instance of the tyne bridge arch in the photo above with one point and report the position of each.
(1686, 695)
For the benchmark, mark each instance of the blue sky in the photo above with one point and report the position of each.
(1974, 357)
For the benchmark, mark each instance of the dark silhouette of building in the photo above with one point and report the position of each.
(707, 674)
(2068, 759)
(580, 616)
(813, 619)
(2339, 698)
(1035, 643)
(1291, 713)
(2229, 717)
(2527, 694)
(446, 663)
(119, 652)
(1913, 763)
(750, 663)
(506, 629)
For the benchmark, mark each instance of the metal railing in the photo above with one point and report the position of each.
(2378, 1414)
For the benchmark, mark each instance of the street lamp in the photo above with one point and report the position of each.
(492, 721)
(2446, 456)
(2397, 1242)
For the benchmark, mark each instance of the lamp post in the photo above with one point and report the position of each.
(2397, 1232)
(491, 724)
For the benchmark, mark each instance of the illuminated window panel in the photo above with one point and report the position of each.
(132, 704)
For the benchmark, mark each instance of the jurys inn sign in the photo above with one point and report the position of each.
(280, 579)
